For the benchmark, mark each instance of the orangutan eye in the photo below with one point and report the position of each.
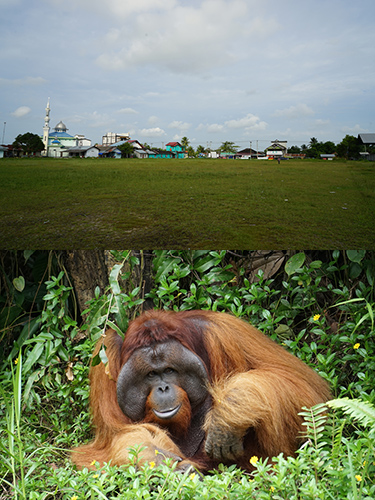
(151, 374)
(168, 371)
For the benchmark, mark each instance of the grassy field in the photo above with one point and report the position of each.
(129, 203)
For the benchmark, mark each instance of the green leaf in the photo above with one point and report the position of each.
(362, 411)
(356, 255)
(163, 264)
(204, 264)
(27, 331)
(19, 283)
(33, 356)
(113, 279)
(27, 254)
(295, 262)
(112, 325)
(96, 360)
(103, 355)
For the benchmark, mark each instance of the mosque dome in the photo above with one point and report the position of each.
(61, 127)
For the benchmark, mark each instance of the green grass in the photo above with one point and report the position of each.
(74, 203)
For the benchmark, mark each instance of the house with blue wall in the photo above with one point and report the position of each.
(176, 148)
(161, 153)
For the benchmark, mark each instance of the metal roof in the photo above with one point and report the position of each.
(367, 138)
(79, 149)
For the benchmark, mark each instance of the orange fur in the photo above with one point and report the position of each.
(257, 389)
(180, 423)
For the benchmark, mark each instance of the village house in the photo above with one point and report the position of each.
(176, 148)
(84, 152)
(277, 149)
(247, 153)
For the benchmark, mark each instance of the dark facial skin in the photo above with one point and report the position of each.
(156, 372)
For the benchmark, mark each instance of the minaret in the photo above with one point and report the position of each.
(46, 130)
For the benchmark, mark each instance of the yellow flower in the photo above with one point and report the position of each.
(192, 476)
(272, 489)
(254, 460)
(16, 361)
(356, 346)
(358, 477)
(74, 498)
(152, 465)
(93, 462)
(95, 476)
(157, 452)
(316, 317)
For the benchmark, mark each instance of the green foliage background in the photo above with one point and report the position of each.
(319, 305)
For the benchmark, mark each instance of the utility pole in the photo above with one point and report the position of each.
(4, 132)
(250, 150)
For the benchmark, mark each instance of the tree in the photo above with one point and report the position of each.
(200, 150)
(228, 147)
(185, 143)
(28, 143)
(316, 148)
(329, 147)
(126, 150)
(349, 147)
(294, 150)
(191, 152)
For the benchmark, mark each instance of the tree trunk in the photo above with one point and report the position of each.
(90, 268)
(87, 269)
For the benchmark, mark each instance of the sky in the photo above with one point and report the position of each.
(245, 71)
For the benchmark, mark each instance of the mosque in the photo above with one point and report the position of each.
(59, 144)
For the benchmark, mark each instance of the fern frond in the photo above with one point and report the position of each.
(362, 411)
(337, 441)
(314, 421)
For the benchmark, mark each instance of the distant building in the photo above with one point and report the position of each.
(327, 156)
(277, 149)
(367, 140)
(84, 152)
(113, 138)
(2, 151)
(176, 148)
(247, 153)
(58, 142)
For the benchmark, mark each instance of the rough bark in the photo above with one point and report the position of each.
(87, 270)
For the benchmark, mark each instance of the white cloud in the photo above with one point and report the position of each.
(293, 112)
(214, 128)
(21, 111)
(248, 122)
(127, 111)
(181, 126)
(94, 120)
(152, 132)
(153, 120)
(356, 129)
(182, 39)
(126, 8)
(322, 123)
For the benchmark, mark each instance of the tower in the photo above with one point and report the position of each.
(46, 130)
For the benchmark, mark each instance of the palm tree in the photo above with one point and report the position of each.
(185, 143)
(228, 147)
